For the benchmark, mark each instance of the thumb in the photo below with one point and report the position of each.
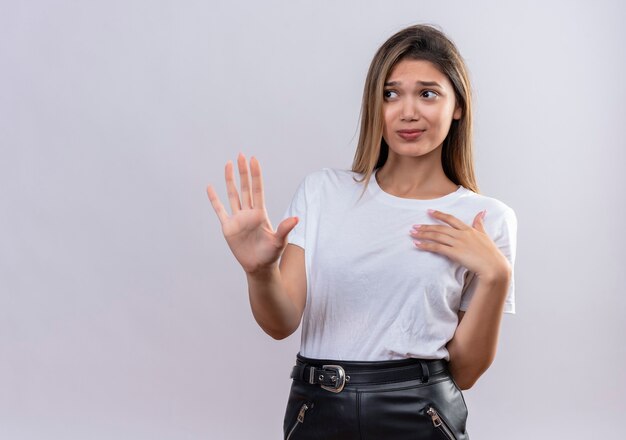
(285, 227)
(479, 221)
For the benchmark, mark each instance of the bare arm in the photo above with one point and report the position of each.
(277, 294)
(473, 347)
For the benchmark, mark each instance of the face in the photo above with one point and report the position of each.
(418, 106)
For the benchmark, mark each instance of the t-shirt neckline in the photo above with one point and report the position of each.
(383, 196)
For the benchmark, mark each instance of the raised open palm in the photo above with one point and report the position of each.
(248, 230)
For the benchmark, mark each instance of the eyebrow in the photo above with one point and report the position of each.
(423, 83)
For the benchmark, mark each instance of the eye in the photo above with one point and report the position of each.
(387, 93)
(430, 91)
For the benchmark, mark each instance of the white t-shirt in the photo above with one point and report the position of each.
(371, 293)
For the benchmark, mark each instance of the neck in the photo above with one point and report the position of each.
(415, 177)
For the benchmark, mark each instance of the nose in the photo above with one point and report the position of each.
(409, 110)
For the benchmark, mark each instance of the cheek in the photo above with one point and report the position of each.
(433, 114)
(388, 120)
(437, 118)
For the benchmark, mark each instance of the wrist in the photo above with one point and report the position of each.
(496, 275)
(263, 273)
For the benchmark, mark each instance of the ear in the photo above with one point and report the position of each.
(458, 111)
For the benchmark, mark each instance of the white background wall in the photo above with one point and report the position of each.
(123, 313)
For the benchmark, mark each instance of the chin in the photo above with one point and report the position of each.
(413, 152)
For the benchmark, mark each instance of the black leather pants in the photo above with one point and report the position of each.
(430, 406)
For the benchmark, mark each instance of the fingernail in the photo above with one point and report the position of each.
(417, 226)
(430, 211)
(484, 213)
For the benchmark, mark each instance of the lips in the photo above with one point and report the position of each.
(410, 135)
(410, 131)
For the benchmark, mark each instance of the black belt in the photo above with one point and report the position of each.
(334, 376)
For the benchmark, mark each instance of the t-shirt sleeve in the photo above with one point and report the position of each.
(298, 208)
(506, 240)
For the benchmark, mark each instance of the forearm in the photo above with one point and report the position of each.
(271, 306)
(473, 347)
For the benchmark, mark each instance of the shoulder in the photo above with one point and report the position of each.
(495, 207)
(500, 220)
(329, 177)
(332, 174)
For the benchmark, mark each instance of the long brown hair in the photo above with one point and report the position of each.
(418, 42)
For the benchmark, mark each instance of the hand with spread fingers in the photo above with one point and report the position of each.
(248, 230)
(467, 245)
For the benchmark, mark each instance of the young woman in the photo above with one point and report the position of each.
(399, 270)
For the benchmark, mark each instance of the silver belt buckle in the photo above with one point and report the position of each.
(339, 378)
